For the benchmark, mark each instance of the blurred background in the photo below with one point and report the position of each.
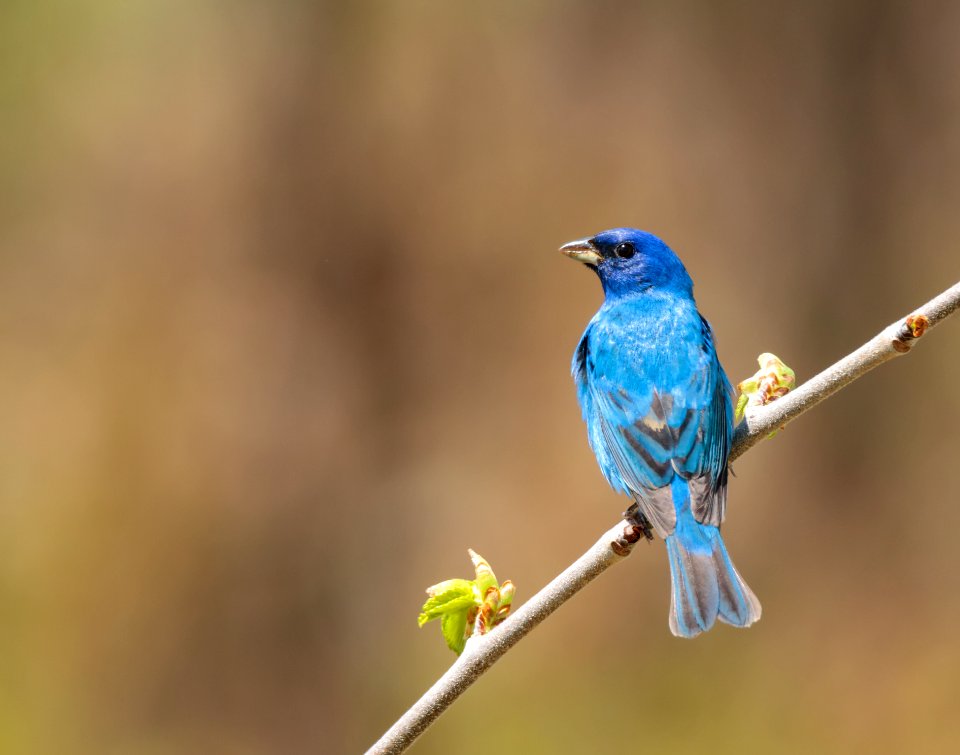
(284, 331)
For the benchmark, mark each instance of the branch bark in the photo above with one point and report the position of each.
(617, 542)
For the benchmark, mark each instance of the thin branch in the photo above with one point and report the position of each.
(617, 543)
(893, 341)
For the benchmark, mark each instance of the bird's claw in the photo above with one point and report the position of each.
(634, 516)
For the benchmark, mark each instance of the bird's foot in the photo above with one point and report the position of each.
(634, 516)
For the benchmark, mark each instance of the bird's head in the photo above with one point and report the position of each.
(629, 261)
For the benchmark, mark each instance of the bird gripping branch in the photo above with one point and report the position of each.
(659, 414)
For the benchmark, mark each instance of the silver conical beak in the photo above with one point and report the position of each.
(583, 251)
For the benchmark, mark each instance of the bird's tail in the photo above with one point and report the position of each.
(706, 585)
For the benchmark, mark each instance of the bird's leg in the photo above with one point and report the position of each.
(636, 517)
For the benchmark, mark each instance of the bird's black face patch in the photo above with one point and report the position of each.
(613, 248)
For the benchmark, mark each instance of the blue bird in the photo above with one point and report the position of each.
(659, 414)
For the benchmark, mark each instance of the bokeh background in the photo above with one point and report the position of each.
(284, 331)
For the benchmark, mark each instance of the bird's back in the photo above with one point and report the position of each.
(652, 339)
(656, 402)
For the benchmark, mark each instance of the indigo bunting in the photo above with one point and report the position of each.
(659, 414)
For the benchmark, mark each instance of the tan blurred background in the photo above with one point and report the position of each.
(284, 331)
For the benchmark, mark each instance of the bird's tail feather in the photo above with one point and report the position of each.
(705, 584)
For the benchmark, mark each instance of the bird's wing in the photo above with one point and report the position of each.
(640, 443)
(706, 470)
(707, 479)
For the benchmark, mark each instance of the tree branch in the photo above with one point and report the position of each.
(892, 341)
(617, 543)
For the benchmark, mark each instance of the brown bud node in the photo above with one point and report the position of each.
(917, 325)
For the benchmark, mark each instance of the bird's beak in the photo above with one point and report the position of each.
(583, 251)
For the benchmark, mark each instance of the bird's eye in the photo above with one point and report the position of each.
(625, 250)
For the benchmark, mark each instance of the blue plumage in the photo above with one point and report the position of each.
(659, 416)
